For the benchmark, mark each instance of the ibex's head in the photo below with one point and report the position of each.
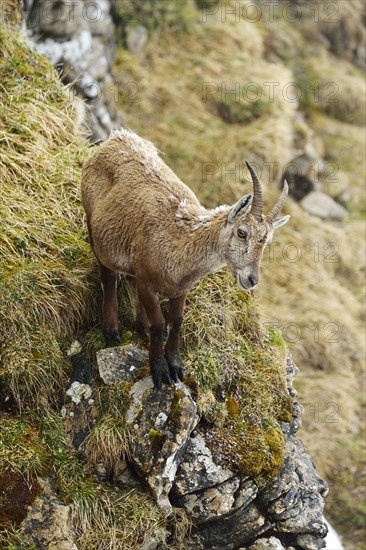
(249, 232)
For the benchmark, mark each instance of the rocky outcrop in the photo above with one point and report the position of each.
(48, 522)
(323, 206)
(169, 452)
(77, 38)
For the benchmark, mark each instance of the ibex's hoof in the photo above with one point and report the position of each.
(142, 329)
(160, 371)
(176, 368)
(111, 337)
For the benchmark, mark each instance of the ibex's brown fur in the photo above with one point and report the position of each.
(145, 223)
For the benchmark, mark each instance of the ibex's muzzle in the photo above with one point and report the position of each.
(248, 278)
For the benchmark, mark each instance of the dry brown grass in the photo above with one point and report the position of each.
(45, 258)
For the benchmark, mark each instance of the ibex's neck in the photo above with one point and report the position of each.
(204, 247)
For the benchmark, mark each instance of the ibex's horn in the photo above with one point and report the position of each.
(257, 204)
(276, 210)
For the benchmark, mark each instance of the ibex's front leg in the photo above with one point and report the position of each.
(176, 307)
(158, 365)
(110, 305)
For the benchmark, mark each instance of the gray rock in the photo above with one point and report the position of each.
(157, 542)
(121, 363)
(97, 14)
(197, 470)
(77, 38)
(137, 36)
(241, 526)
(59, 18)
(308, 542)
(323, 206)
(246, 494)
(48, 522)
(211, 503)
(161, 423)
(271, 543)
(299, 174)
(295, 500)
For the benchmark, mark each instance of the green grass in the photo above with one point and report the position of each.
(46, 265)
(21, 448)
(238, 368)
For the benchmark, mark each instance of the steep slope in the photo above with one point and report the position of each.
(206, 122)
(47, 284)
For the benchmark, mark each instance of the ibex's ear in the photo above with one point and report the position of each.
(280, 221)
(239, 208)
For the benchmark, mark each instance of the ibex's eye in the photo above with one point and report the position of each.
(242, 233)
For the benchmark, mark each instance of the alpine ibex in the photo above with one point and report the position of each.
(145, 223)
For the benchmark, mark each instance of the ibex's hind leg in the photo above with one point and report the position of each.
(110, 305)
(172, 354)
(139, 313)
(158, 364)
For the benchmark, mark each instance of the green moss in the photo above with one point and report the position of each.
(157, 439)
(233, 406)
(248, 449)
(175, 407)
(275, 338)
(21, 447)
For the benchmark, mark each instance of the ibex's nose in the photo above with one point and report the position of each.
(247, 281)
(253, 280)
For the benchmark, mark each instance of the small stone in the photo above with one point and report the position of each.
(78, 391)
(115, 364)
(271, 543)
(212, 502)
(75, 348)
(136, 38)
(323, 206)
(309, 542)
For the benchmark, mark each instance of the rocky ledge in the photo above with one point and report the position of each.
(169, 452)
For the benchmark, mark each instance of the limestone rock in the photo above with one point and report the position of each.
(77, 38)
(271, 543)
(58, 18)
(308, 542)
(121, 363)
(197, 470)
(294, 500)
(211, 503)
(79, 409)
(321, 205)
(232, 531)
(160, 423)
(48, 523)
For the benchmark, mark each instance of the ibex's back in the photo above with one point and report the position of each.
(131, 199)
